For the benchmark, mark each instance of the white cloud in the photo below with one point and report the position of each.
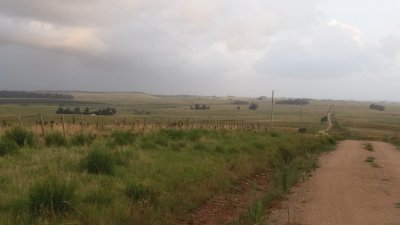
(353, 31)
(45, 35)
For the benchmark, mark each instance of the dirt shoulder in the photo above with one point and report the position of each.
(346, 190)
(226, 207)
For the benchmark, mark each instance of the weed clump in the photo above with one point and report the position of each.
(370, 159)
(55, 139)
(20, 136)
(98, 161)
(122, 137)
(7, 147)
(82, 139)
(281, 163)
(257, 213)
(137, 192)
(174, 134)
(51, 196)
(369, 147)
(100, 196)
(274, 134)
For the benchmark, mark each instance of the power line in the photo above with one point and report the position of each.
(151, 27)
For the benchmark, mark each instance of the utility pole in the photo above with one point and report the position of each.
(272, 110)
(301, 112)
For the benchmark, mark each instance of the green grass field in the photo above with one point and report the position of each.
(158, 168)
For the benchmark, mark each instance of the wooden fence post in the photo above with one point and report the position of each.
(272, 110)
(81, 122)
(98, 123)
(41, 123)
(63, 124)
(20, 122)
(144, 124)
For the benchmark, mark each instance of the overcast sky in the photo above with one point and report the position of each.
(338, 49)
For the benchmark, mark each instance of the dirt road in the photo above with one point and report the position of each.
(329, 118)
(346, 190)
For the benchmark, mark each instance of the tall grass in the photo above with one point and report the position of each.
(98, 161)
(20, 136)
(138, 192)
(174, 175)
(55, 139)
(121, 137)
(7, 147)
(51, 196)
(82, 139)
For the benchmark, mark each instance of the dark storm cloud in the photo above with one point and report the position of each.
(194, 47)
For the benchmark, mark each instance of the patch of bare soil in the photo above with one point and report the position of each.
(227, 207)
(347, 190)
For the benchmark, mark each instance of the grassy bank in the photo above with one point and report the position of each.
(123, 178)
(287, 165)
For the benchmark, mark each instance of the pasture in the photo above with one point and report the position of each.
(157, 161)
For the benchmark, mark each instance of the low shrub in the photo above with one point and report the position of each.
(82, 139)
(20, 136)
(122, 137)
(55, 139)
(51, 196)
(98, 161)
(7, 147)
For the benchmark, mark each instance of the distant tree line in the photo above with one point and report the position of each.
(377, 107)
(77, 110)
(26, 94)
(239, 102)
(200, 107)
(293, 101)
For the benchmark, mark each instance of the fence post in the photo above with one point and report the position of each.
(63, 123)
(144, 124)
(98, 122)
(41, 123)
(20, 122)
(272, 110)
(81, 122)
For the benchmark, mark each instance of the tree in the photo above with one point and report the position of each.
(253, 106)
(86, 111)
(77, 110)
(60, 110)
(377, 107)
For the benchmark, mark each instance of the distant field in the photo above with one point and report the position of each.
(354, 117)
(362, 122)
(137, 106)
